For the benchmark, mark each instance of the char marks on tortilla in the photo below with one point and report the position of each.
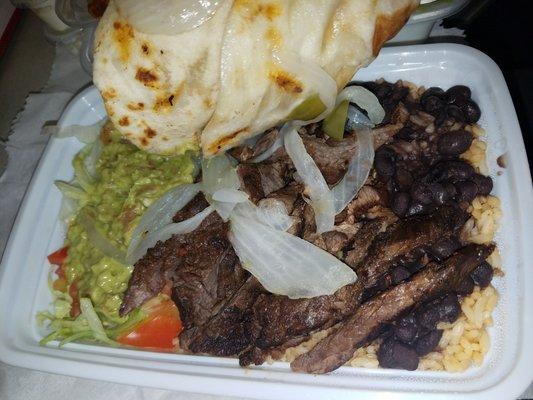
(240, 73)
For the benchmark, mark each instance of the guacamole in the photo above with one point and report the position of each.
(124, 182)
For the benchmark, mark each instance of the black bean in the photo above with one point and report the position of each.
(399, 92)
(444, 309)
(484, 183)
(444, 249)
(399, 274)
(403, 179)
(428, 316)
(383, 89)
(458, 92)
(466, 191)
(452, 171)
(454, 143)
(450, 190)
(427, 343)
(465, 287)
(432, 91)
(449, 308)
(416, 208)
(483, 274)
(441, 118)
(455, 112)
(395, 354)
(421, 193)
(384, 162)
(471, 112)
(433, 105)
(438, 193)
(400, 203)
(406, 329)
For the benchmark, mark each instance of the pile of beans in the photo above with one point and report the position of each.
(421, 168)
(415, 334)
(453, 103)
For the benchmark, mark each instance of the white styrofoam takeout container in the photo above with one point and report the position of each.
(419, 26)
(505, 373)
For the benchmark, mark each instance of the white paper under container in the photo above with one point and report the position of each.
(507, 369)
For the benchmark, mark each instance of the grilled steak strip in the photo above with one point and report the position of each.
(336, 349)
(331, 156)
(245, 153)
(261, 179)
(226, 333)
(364, 239)
(207, 275)
(409, 234)
(277, 319)
(193, 207)
(201, 266)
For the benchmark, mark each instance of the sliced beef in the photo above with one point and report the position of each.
(288, 195)
(279, 322)
(193, 207)
(405, 236)
(152, 272)
(226, 333)
(335, 241)
(209, 273)
(261, 179)
(336, 349)
(367, 197)
(245, 153)
(277, 319)
(201, 266)
(363, 240)
(332, 156)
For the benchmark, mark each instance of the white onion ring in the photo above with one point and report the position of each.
(285, 264)
(166, 233)
(316, 186)
(358, 169)
(365, 99)
(161, 212)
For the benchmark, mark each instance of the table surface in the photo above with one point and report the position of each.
(25, 68)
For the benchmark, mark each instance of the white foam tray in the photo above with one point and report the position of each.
(508, 367)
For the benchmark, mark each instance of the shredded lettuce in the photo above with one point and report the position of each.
(81, 174)
(94, 322)
(70, 190)
(86, 326)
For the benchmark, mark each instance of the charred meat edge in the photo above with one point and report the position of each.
(278, 319)
(337, 348)
(332, 158)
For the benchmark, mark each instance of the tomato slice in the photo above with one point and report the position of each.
(158, 331)
(58, 257)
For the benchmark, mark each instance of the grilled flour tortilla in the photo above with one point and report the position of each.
(248, 68)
